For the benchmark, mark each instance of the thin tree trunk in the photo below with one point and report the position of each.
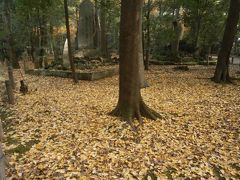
(178, 33)
(43, 41)
(32, 50)
(77, 25)
(222, 68)
(143, 82)
(130, 103)
(97, 36)
(11, 52)
(146, 62)
(236, 45)
(104, 49)
(11, 99)
(37, 63)
(197, 50)
(69, 43)
(2, 156)
(197, 30)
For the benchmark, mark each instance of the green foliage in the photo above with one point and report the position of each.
(203, 20)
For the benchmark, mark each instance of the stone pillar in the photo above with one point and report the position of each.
(66, 62)
(87, 25)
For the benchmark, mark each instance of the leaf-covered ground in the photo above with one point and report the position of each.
(62, 131)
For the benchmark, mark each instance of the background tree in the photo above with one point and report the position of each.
(222, 69)
(148, 6)
(70, 55)
(103, 14)
(9, 43)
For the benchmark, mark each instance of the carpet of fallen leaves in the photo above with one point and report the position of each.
(62, 131)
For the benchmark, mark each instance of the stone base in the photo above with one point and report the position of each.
(89, 76)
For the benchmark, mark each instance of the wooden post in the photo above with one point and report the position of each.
(9, 92)
(2, 156)
(69, 43)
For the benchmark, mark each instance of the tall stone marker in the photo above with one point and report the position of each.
(86, 28)
(66, 62)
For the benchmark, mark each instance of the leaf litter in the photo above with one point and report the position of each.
(62, 131)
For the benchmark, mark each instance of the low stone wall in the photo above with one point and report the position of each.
(89, 76)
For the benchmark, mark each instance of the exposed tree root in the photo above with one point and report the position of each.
(221, 75)
(141, 110)
(227, 80)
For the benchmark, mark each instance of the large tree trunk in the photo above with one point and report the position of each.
(70, 55)
(222, 69)
(130, 103)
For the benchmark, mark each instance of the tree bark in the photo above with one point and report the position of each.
(143, 82)
(130, 103)
(2, 156)
(148, 40)
(104, 49)
(10, 48)
(9, 89)
(178, 28)
(10, 39)
(222, 68)
(96, 25)
(77, 32)
(43, 40)
(69, 43)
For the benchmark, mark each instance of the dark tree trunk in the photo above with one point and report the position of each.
(32, 48)
(77, 32)
(10, 39)
(178, 33)
(37, 63)
(43, 41)
(69, 43)
(130, 103)
(10, 48)
(197, 29)
(236, 45)
(97, 27)
(148, 40)
(222, 68)
(2, 159)
(10, 94)
(104, 49)
(143, 82)
(196, 43)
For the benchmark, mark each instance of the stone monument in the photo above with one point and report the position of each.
(86, 25)
(66, 62)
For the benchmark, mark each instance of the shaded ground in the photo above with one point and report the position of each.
(61, 130)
